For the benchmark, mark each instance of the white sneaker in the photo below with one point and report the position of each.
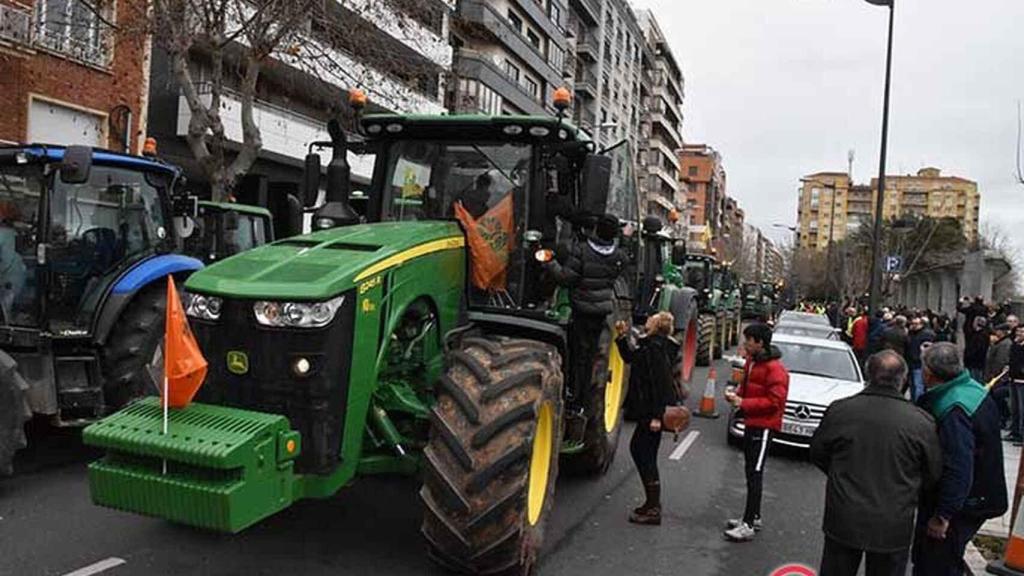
(736, 522)
(742, 533)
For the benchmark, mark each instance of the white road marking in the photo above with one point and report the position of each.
(688, 441)
(101, 566)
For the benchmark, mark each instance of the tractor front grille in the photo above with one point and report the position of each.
(315, 404)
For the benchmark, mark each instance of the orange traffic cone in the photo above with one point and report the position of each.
(707, 402)
(1012, 563)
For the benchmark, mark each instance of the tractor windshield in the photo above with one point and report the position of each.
(95, 228)
(482, 185)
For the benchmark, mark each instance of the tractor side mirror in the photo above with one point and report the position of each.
(76, 165)
(293, 217)
(596, 184)
(679, 253)
(311, 179)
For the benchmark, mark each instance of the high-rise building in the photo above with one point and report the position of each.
(608, 67)
(831, 207)
(510, 56)
(660, 134)
(700, 168)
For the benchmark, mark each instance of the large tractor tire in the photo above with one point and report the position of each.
(609, 378)
(132, 345)
(492, 458)
(738, 331)
(705, 339)
(14, 412)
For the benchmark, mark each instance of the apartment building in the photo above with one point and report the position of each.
(509, 56)
(831, 207)
(701, 170)
(610, 47)
(293, 105)
(68, 77)
(660, 132)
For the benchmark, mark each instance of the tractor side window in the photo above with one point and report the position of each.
(20, 190)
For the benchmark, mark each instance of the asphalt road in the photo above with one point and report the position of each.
(48, 525)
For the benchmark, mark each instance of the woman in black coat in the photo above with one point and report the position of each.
(652, 387)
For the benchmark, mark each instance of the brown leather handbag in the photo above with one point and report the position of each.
(675, 420)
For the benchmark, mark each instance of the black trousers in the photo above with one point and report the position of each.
(755, 455)
(644, 449)
(841, 560)
(585, 338)
(944, 557)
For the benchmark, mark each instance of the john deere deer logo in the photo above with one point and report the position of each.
(238, 362)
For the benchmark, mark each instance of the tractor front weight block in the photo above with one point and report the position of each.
(216, 468)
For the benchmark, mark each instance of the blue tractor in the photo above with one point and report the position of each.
(87, 239)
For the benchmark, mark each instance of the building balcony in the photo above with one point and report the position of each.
(472, 64)
(660, 120)
(430, 44)
(588, 10)
(586, 84)
(481, 19)
(588, 47)
(15, 24)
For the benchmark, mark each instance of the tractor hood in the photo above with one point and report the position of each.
(322, 265)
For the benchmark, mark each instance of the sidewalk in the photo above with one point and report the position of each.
(1000, 527)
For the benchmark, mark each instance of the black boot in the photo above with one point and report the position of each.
(650, 512)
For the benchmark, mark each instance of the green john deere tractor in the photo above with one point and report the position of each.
(732, 305)
(225, 228)
(699, 274)
(662, 282)
(371, 348)
(759, 300)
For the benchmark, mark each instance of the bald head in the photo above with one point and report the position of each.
(887, 369)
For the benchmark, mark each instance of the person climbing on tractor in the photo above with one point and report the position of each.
(589, 270)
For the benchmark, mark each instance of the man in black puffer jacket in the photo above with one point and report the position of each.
(589, 271)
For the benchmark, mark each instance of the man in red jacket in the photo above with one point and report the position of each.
(859, 336)
(761, 400)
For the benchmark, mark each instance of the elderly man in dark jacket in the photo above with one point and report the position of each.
(973, 485)
(589, 270)
(879, 451)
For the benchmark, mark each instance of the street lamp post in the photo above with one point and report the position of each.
(876, 254)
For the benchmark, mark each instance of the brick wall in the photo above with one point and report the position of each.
(29, 70)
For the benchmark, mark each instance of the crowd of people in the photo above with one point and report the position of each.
(914, 463)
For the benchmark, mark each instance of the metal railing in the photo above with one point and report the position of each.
(97, 54)
(15, 24)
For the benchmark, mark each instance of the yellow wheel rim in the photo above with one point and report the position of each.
(613, 391)
(540, 463)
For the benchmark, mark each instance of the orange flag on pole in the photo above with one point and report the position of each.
(184, 365)
(490, 242)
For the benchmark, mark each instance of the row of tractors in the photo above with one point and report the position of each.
(365, 347)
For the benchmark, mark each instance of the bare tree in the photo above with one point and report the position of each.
(995, 239)
(218, 50)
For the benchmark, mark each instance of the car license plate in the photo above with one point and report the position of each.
(797, 429)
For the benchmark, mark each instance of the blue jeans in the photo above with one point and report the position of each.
(916, 383)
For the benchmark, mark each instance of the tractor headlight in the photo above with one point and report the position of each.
(297, 314)
(202, 306)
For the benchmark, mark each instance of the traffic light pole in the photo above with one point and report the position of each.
(876, 256)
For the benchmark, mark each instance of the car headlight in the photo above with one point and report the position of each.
(297, 314)
(202, 306)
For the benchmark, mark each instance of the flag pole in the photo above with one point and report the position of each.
(166, 403)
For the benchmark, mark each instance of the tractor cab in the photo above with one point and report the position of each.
(664, 258)
(72, 220)
(225, 229)
(520, 187)
(699, 274)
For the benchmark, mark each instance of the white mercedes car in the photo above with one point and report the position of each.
(820, 372)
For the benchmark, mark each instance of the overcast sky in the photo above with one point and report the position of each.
(783, 88)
